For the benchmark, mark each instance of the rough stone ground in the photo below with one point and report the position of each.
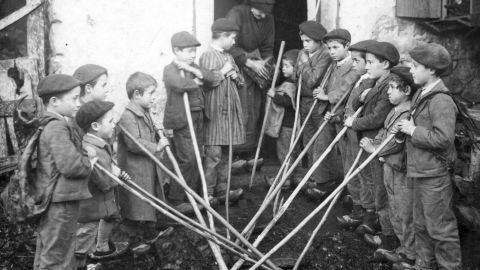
(333, 247)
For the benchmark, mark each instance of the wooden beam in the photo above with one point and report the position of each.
(36, 39)
(16, 15)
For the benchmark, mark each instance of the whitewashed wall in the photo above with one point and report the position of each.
(123, 35)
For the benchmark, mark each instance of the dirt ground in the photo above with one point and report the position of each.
(333, 247)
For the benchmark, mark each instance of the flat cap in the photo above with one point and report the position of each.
(404, 74)
(384, 50)
(263, 5)
(361, 46)
(313, 30)
(91, 112)
(291, 55)
(338, 33)
(184, 40)
(56, 84)
(434, 56)
(224, 25)
(89, 72)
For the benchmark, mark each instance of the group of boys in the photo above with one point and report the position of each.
(407, 191)
(401, 199)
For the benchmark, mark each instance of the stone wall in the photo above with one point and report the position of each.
(375, 19)
(123, 35)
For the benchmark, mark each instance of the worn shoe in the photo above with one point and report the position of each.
(372, 240)
(186, 208)
(354, 219)
(269, 181)
(239, 167)
(404, 266)
(104, 255)
(234, 196)
(390, 256)
(370, 224)
(321, 191)
(249, 166)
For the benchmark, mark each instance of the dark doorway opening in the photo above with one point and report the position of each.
(288, 15)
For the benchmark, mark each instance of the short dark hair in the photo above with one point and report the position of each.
(139, 81)
(339, 40)
(381, 59)
(217, 35)
(46, 98)
(93, 83)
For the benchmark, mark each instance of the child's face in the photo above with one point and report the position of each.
(287, 68)
(105, 127)
(374, 67)
(186, 55)
(68, 104)
(147, 100)
(338, 52)
(309, 44)
(358, 62)
(395, 95)
(228, 41)
(421, 74)
(99, 91)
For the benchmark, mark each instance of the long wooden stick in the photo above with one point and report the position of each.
(325, 202)
(292, 139)
(216, 250)
(324, 218)
(320, 129)
(177, 216)
(292, 196)
(267, 108)
(198, 214)
(195, 195)
(275, 187)
(230, 157)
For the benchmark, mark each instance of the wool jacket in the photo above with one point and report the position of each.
(61, 162)
(312, 71)
(433, 136)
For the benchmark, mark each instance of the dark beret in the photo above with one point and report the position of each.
(224, 25)
(404, 74)
(361, 46)
(313, 30)
(384, 50)
(338, 33)
(434, 56)
(91, 112)
(291, 55)
(56, 84)
(89, 72)
(263, 5)
(184, 40)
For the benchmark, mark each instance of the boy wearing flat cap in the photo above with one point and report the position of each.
(357, 193)
(96, 119)
(312, 64)
(93, 80)
(340, 82)
(184, 76)
(63, 171)
(218, 109)
(399, 188)
(430, 135)
(381, 57)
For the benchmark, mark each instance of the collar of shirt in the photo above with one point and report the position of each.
(343, 61)
(310, 55)
(215, 47)
(382, 78)
(363, 77)
(61, 116)
(429, 87)
(95, 137)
